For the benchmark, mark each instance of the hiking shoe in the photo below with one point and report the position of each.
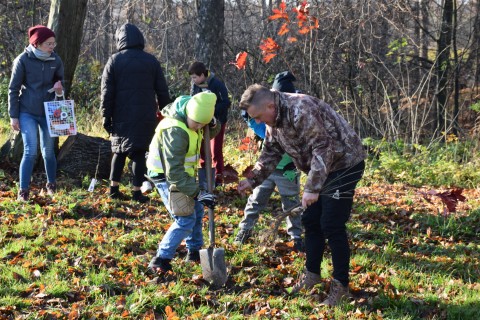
(242, 236)
(338, 292)
(51, 188)
(160, 265)
(307, 281)
(23, 195)
(193, 256)
(139, 197)
(298, 245)
(115, 193)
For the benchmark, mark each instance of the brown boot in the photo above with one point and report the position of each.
(307, 281)
(338, 293)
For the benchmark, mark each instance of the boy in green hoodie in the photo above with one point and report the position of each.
(173, 163)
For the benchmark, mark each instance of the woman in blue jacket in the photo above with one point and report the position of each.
(37, 73)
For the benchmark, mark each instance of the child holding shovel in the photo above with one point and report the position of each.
(172, 165)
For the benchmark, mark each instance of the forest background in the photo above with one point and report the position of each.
(404, 73)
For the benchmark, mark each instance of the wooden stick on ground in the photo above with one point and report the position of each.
(268, 236)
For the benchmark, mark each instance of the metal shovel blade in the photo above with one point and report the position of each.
(213, 265)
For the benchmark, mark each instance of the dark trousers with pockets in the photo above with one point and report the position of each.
(326, 220)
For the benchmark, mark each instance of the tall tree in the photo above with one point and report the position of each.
(66, 20)
(209, 33)
(442, 65)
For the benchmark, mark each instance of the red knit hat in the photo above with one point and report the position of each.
(38, 34)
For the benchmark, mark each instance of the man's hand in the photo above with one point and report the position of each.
(207, 199)
(309, 198)
(243, 186)
(15, 124)
(107, 125)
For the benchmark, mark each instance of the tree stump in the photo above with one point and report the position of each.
(82, 155)
(12, 149)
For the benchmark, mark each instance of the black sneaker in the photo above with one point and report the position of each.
(193, 256)
(242, 236)
(23, 195)
(160, 263)
(298, 245)
(115, 193)
(139, 197)
(51, 188)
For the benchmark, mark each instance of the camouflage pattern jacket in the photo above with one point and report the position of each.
(318, 139)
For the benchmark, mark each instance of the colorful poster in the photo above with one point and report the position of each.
(60, 118)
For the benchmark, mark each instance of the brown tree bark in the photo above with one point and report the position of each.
(209, 34)
(66, 20)
(82, 155)
(442, 66)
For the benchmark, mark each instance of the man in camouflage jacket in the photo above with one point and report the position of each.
(324, 146)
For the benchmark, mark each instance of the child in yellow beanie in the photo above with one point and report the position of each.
(172, 165)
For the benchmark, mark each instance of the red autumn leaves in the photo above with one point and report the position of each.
(304, 21)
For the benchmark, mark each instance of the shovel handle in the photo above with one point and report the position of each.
(208, 171)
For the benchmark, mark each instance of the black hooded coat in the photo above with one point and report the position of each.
(131, 81)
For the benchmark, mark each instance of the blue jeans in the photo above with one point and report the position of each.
(257, 201)
(185, 227)
(29, 126)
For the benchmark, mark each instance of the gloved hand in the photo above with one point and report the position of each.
(207, 199)
(213, 123)
(107, 125)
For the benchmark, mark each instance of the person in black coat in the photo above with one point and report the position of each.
(133, 89)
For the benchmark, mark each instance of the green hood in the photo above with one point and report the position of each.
(176, 109)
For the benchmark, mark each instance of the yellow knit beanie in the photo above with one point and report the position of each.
(200, 107)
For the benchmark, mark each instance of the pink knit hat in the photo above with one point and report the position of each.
(38, 34)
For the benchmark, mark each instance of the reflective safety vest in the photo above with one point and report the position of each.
(154, 163)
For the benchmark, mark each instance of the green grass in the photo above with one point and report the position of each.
(99, 261)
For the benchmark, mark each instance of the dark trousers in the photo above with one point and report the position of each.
(326, 219)
(139, 166)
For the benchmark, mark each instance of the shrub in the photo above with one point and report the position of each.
(453, 163)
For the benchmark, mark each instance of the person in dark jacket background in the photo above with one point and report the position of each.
(131, 80)
(205, 80)
(36, 74)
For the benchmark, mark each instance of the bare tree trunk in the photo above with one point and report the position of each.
(456, 107)
(443, 64)
(474, 52)
(209, 34)
(66, 20)
(425, 22)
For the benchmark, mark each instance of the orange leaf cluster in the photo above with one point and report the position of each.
(247, 144)
(269, 49)
(240, 60)
(280, 13)
(305, 22)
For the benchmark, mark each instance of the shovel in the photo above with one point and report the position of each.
(212, 259)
